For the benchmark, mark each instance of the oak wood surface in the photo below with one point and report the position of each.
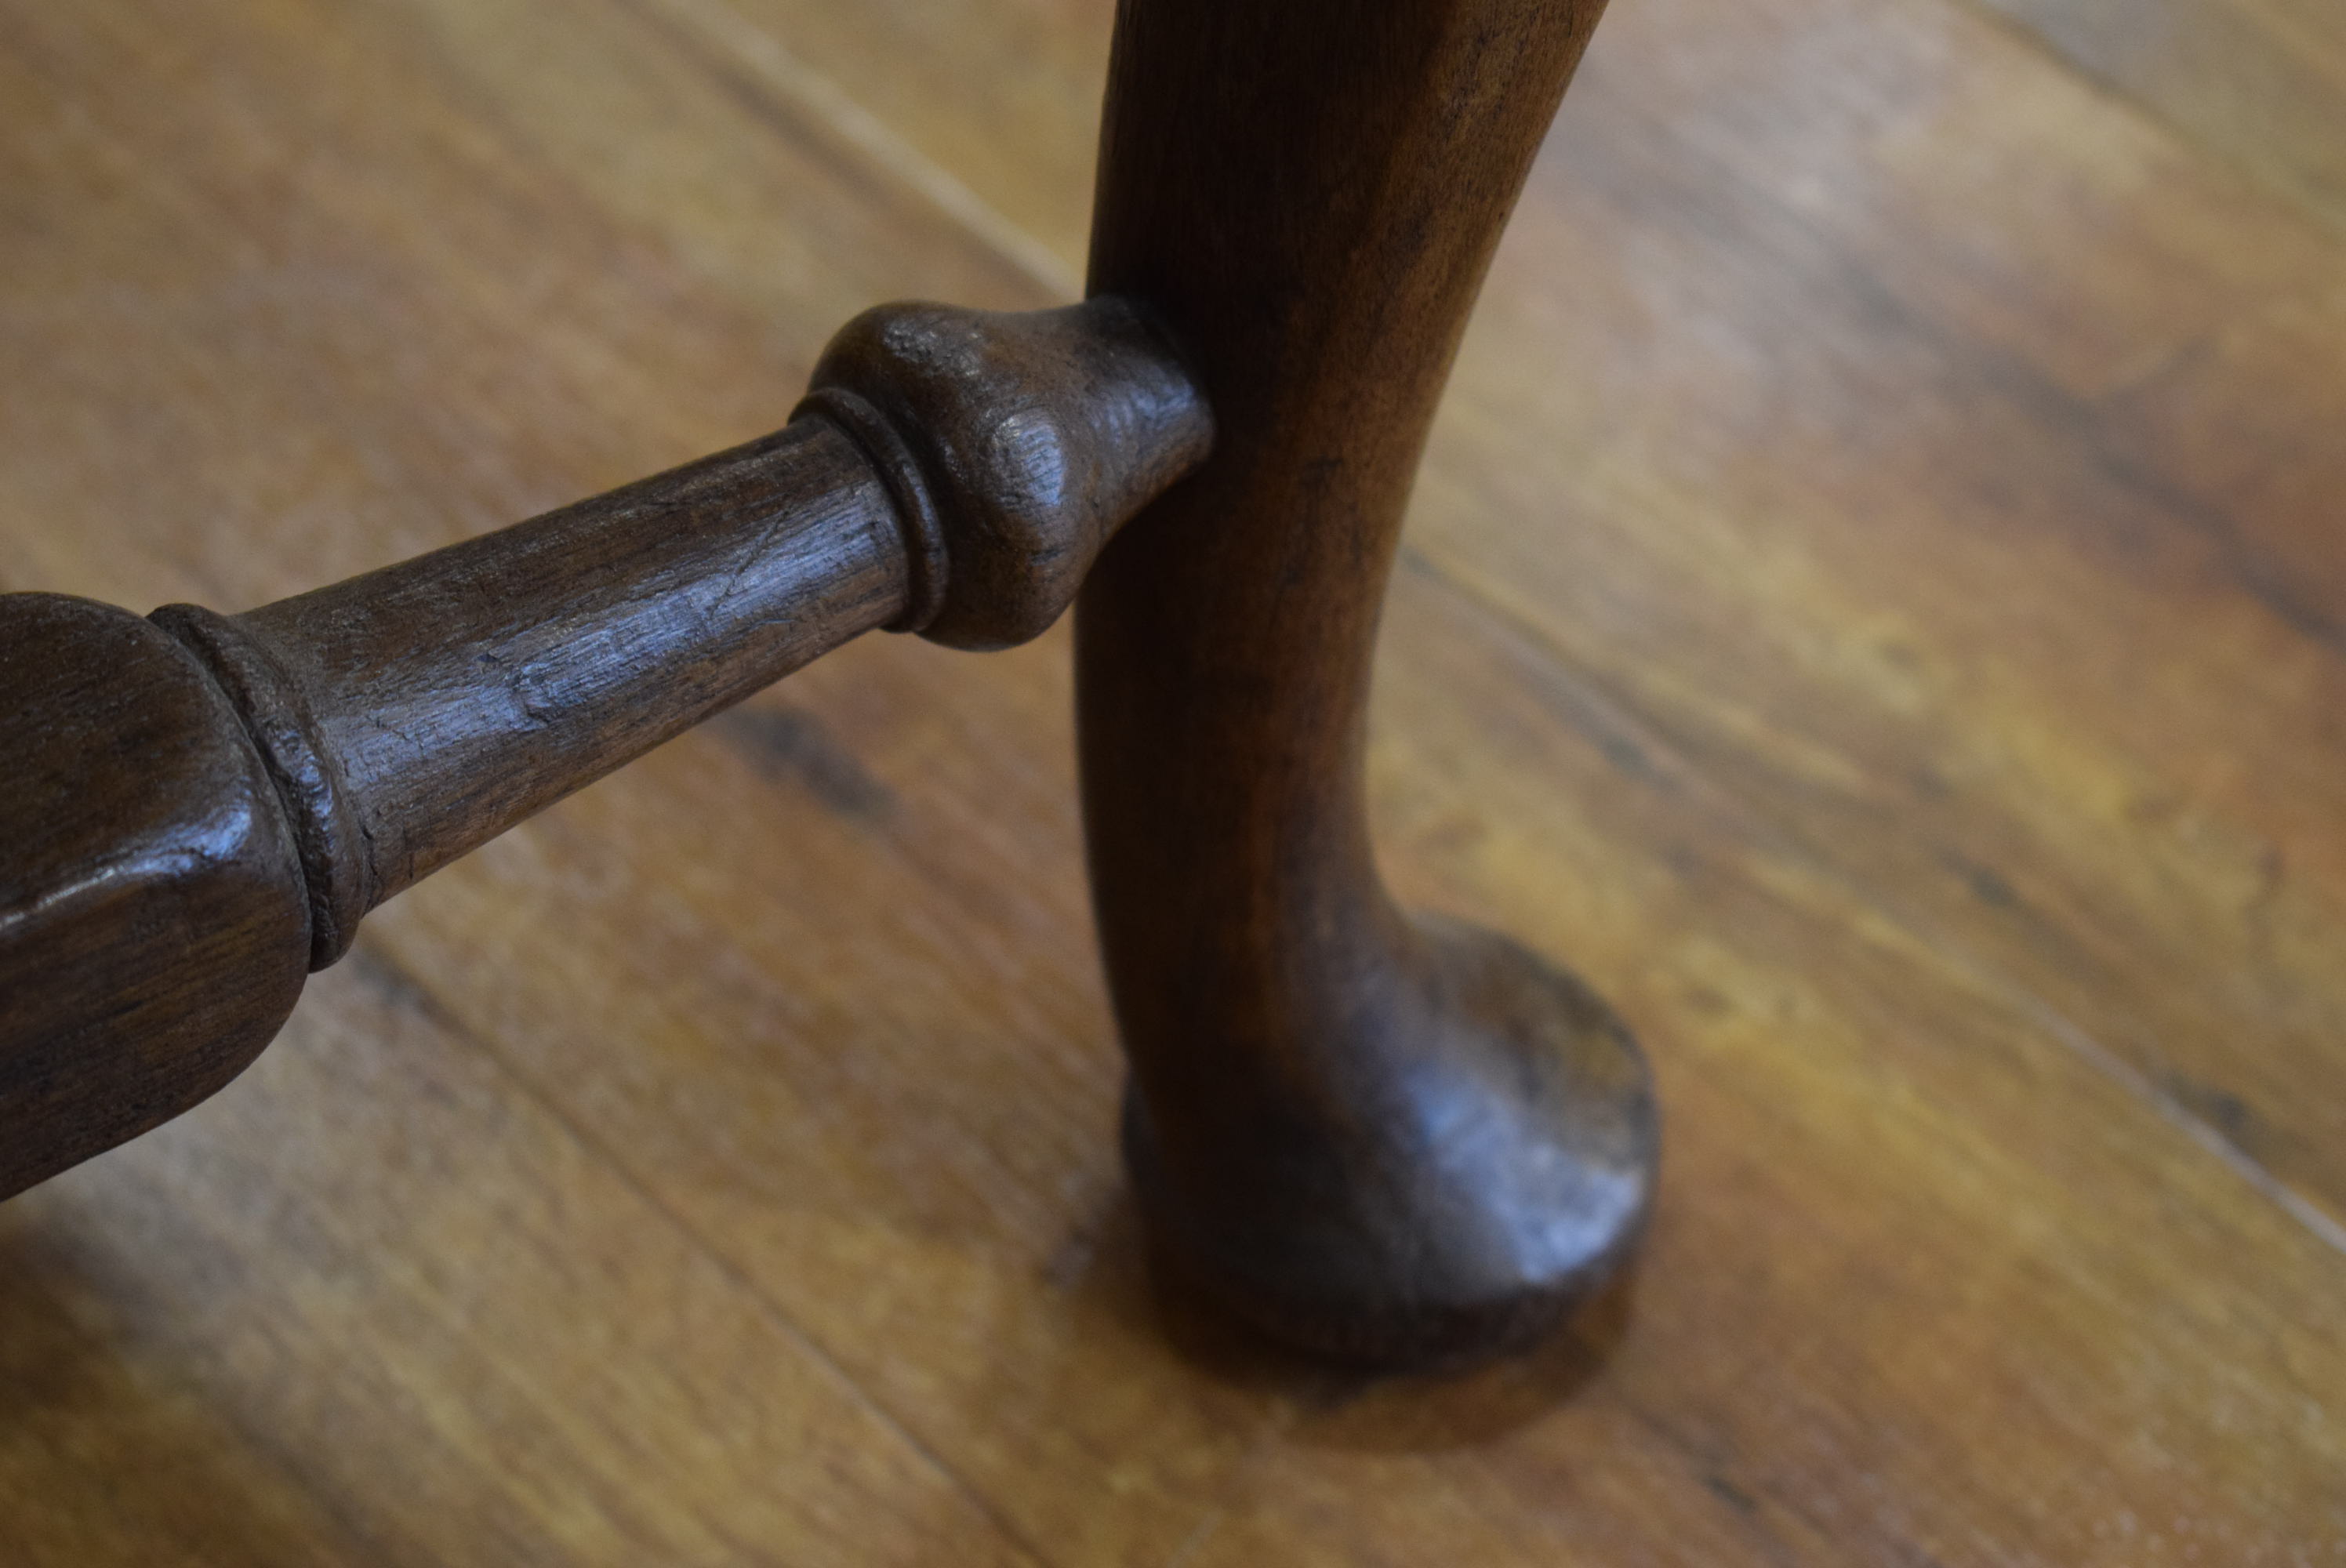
(1869, 605)
(2255, 82)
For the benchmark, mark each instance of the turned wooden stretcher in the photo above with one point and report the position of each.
(1376, 1136)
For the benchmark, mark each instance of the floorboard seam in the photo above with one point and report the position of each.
(2148, 113)
(810, 91)
(1990, 978)
(445, 1017)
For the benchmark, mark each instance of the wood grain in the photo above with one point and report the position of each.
(1396, 1139)
(722, 1167)
(153, 932)
(1905, 423)
(2257, 82)
(183, 817)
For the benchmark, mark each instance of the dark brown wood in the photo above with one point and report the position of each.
(153, 931)
(414, 713)
(1850, 611)
(204, 805)
(1389, 1138)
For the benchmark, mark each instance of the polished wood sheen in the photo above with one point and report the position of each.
(1390, 1138)
(153, 932)
(1867, 603)
(189, 828)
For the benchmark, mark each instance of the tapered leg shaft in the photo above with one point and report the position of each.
(1378, 1136)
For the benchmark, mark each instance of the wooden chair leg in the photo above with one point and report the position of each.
(197, 808)
(1389, 1138)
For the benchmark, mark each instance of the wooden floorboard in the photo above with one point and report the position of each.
(1873, 604)
(1924, 516)
(2261, 82)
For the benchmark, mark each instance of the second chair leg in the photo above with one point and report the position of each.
(1384, 1137)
